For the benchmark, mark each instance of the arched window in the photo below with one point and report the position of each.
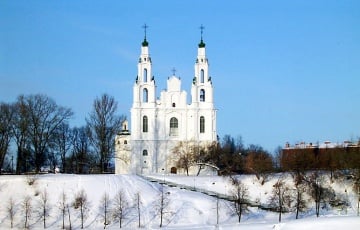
(202, 95)
(202, 76)
(145, 75)
(202, 124)
(145, 124)
(125, 142)
(145, 95)
(174, 130)
(145, 152)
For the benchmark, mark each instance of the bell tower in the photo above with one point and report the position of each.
(144, 87)
(204, 117)
(123, 150)
(202, 90)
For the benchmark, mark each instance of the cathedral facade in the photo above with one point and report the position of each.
(158, 124)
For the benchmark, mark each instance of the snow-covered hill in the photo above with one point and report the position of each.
(184, 209)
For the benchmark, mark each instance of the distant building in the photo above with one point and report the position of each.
(323, 145)
(326, 155)
(157, 125)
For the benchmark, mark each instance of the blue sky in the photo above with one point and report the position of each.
(282, 70)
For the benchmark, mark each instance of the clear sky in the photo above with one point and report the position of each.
(282, 70)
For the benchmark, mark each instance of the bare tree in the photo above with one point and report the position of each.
(163, 204)
(6, 117)
(42, 116)
(240, 195)
(62, 207)
(62, 144)
(300, 190)
(104, 208)
(45, 118)
(11, 210)
(259, 162)
(82, 203)
(185, 152)
(120, 207)
(212, 154)
(319, 191)
(230, 155)
(45, 207)
(138, 207)
(26, 209)
(81, 150)
(69, 215)
(20, 130)
(104, 124)
(280, 198)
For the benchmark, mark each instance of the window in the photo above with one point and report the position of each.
(202, 76)
(145, 153)
(202, 124)
(202, 95)
(174, 126)
(125, 142)
(145, 124)
(145, 74)
(173, 105)
(145, 95)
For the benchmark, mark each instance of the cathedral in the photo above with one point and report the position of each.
(158, 124)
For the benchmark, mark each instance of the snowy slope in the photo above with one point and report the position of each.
(185, 210)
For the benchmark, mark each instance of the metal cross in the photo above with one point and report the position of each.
(202, 29)
(145, 27)
(173, 71)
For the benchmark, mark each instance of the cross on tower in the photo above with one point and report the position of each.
(145, 27)
(173, 70)
(201, 30)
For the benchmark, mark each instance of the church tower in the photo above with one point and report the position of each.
(202, 96)
(123, 150)
(144, 88)
(143, 118)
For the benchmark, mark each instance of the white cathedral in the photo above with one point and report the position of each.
(158, 125)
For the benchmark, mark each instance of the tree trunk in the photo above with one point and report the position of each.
(69, 217)
(120, 219)
(297, 204)
(280, 213)
(63, 218)
(317, 208)
(44, 216)
(138, 208)
(26, 220)
(240, 212)
(19, 161)
(82, 217)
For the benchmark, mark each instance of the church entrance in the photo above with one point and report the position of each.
(173, 170)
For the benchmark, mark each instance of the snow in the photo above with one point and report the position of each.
(186, 209)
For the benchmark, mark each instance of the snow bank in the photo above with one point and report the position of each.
(185, 209)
